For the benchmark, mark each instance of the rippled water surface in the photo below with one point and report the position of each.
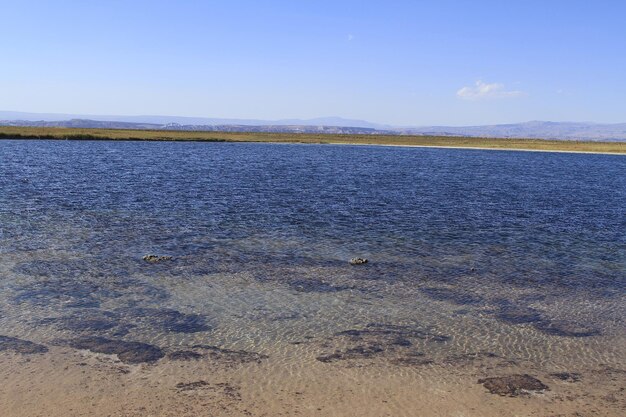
(515, 254)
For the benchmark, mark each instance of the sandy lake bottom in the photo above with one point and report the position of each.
(494, 287)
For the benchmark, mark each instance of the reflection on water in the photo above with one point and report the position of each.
(473, 254)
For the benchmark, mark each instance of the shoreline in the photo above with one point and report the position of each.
(80, 383)
(435, 142)
(476, 148)
(387, 145)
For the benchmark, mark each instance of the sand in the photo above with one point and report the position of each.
(68, 382)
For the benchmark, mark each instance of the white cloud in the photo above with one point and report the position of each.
(350, 37)
(481, 91)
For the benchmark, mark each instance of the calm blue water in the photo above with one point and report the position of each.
(531, 242)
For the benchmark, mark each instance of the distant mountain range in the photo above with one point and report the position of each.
(188, 121)
(330, 125)
(533, 130)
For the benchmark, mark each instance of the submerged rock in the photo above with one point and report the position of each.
(20, 346)
(358, 261)
(513, 385)
(156, 258)
(127, 352)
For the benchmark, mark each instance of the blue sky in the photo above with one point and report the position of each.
(398, 62)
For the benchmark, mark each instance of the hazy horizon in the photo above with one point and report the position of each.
(50, 116)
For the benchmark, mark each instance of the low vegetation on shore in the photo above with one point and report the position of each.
(11, 132)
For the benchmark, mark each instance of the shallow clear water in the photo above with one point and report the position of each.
(517, 254)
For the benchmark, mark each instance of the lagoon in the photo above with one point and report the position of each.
(482, 264)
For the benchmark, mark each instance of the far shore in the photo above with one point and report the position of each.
(487, 148)
(504, 144)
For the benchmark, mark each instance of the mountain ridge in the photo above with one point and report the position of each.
(332, 125)
(189, 120)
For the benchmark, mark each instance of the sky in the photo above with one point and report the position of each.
(404, 63)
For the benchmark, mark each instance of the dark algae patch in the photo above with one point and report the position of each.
(229, 356)
(167, 320)
(224, 389)
(16, 345)
(517, 314)
(314, 285)
(470, 357)
(191, 386)
(86, 321)
(119, 322)
(117, 269)
(358, 352)
(392, 334)
(513, 385)
(412, 359)
(72, 293)
(452, 295)
(391, 342)
(567, 376)
(81, 283)
(184, 355)
(566, 329)
(127, 352)
(92, 322)
(218, 355)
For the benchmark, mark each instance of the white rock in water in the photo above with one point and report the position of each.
(156, 258)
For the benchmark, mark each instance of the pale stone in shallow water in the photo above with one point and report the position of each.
(156, 258)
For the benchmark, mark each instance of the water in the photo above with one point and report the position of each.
(515, 254)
